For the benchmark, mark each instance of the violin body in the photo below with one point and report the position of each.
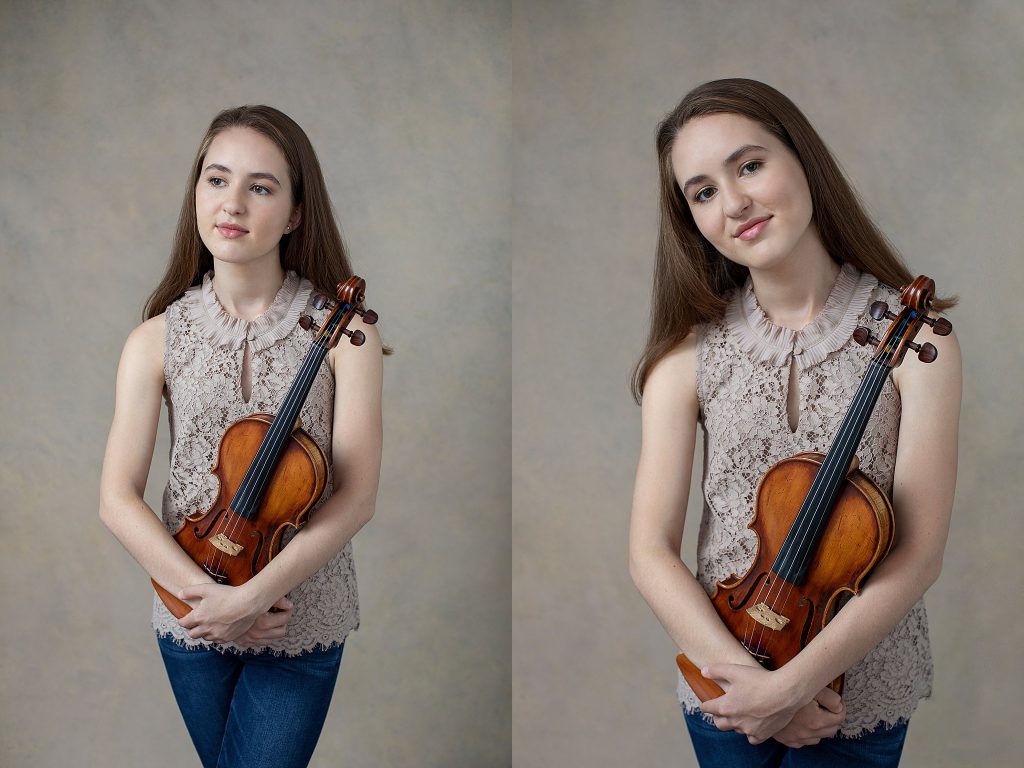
(229, 547)
(849, 547)
(270, 472)
(821, 525)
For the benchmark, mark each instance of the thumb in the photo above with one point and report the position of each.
(194, 592)
(830, 700)
(719, 672)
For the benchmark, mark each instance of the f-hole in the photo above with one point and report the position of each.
(736, 601)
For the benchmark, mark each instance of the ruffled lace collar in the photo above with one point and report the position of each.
(223, 329)
(828, 332)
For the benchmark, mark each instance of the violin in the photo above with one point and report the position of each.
(270, 471)
(821, 524)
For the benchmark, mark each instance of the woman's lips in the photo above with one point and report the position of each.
(231, 232)
(753, 230)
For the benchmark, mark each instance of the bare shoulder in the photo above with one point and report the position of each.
(942, 377)
(365, 357)
(144, 350)
(672, 382)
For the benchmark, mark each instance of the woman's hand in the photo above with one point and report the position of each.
(226, 614)
(818, 719)
(756, 701)
(272, 625)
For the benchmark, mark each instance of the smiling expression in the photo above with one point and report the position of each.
(244, 197)
(746, 190)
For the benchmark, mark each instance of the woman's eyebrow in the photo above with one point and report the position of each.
(255, 175)
(732, 158)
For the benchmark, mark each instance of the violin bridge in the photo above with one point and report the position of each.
(762, 614)
(226, 545)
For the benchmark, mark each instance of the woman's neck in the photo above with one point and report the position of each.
(247, 290)
(794, 292)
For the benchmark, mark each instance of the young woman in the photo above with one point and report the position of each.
(766, 263)
(255, 237)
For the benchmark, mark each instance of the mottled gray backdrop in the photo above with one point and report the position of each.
(493, 169)
(922, 104)
(103, 107)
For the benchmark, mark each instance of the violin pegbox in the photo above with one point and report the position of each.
(916, 299)
(351, 295)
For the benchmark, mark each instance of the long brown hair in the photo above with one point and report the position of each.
(314, 249)
(692, 280)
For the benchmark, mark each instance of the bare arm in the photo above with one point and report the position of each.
(659, 511)
(356, 447)
(140, 382)
(679, 601)
(924, 480)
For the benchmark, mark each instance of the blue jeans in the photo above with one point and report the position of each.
(255, 709)
(880, 748)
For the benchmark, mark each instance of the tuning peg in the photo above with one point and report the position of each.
(862, 335)
(926, 352)
(940, 325)
(320, 301)
(307, 323)
(357, 337)
(880, 309)
(368, 315)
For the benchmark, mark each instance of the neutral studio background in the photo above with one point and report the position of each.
(493, 169)
(104, 104)
(921, 102)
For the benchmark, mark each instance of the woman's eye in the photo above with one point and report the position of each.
(704, 194)
(259, 189)
(748, 168)
(216, 181)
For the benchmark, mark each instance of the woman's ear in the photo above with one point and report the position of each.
(295, 218)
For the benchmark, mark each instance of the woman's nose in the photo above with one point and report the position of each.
(734, 201)
(233, 203)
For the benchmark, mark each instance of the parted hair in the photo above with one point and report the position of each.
(313, 250)
(692, 280)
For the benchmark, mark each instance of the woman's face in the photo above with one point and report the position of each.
(244, 197)
(746, 190)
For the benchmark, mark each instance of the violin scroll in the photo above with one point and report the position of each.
(916, 299)
(351, 295)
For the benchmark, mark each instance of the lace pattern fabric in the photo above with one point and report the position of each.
(743, 373)
(203, 354)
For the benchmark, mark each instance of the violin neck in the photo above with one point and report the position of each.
(802, 539)
(247, 500)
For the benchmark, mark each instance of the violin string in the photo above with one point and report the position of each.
(277, 433)
(810, 524)
(873, 383)
(806, 524)
(831, 471)
(257, 473)
(254, 476)
(768, 583)
(248, 480)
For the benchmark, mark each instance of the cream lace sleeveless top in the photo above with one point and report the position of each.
(203, 352)
(743, 374)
